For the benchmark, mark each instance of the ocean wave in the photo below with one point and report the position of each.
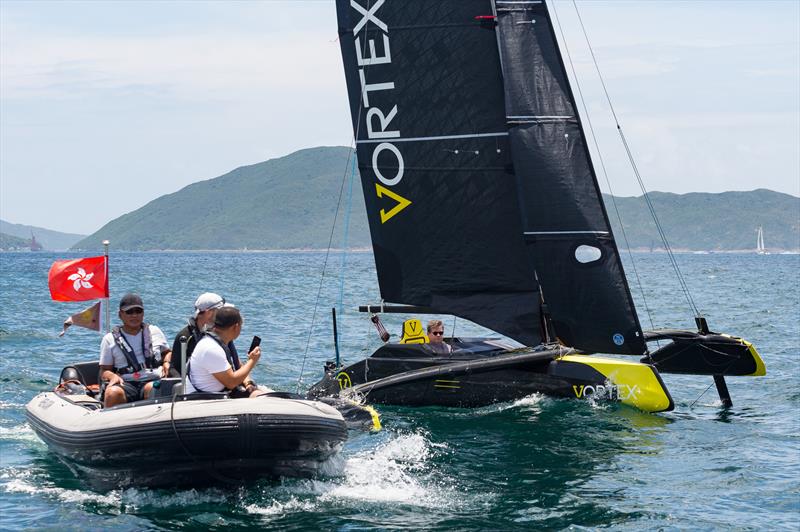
(278, 508)
(21, 432)
(16, 481)
(398, 471)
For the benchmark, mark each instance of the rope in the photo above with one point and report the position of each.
(333, 225)
(210, 470)
(645, 193)
(347, 211)
(322, 276)
(603, 168)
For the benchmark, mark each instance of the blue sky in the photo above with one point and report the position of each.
(105, 106)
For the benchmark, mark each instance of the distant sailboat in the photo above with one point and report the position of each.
(35, 245)
(760, 249)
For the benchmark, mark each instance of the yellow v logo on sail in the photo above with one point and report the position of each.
(402, 202)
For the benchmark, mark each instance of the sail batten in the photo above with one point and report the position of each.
(436, 137)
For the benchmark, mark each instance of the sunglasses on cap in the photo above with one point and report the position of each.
(132, 311)
(218, 305)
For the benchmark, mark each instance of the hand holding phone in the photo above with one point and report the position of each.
(255, 343)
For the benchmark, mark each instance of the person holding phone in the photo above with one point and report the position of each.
(211, 368)
(205, 310)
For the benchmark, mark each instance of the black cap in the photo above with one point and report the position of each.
(130, 301)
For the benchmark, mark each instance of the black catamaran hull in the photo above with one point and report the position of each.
(196, 442)
(476, 376)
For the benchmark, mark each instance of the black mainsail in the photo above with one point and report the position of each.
(480, 193)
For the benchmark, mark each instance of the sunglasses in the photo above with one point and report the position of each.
(215, 306)
(437, 333)
(132, 311)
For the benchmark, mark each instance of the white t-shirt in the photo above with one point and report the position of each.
(112, 355)
(208, 358)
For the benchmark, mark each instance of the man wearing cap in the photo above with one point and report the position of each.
(205, 308)
(132, 356)
(205, 311)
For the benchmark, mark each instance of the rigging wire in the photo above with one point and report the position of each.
(350, 157)
(603, 167)
(345, 238)
(322, 275)
(645, 193)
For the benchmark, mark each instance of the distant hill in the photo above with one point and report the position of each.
(49, 239)
(8, 242)
(712, 222)
(282, 203)
(289, 202)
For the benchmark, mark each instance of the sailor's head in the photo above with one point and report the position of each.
(435, 331)
(228, 322)
(205, 308)
(131, 310)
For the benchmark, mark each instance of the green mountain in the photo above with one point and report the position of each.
(9, 242)
(290, 202)
(706, 221)
(283, 203)
(50, 240)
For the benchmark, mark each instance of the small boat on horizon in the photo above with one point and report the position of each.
(760, 249)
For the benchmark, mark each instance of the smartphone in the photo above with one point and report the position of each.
(255, 343)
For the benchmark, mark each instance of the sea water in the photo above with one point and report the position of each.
(535, 463)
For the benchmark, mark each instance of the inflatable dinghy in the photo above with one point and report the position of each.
(176, 439)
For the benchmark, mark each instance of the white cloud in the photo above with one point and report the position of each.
(186, 66)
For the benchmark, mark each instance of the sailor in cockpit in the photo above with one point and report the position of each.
(436, 338)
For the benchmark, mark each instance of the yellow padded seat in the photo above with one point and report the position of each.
(413, 333)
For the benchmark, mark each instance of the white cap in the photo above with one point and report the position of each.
(208, 301)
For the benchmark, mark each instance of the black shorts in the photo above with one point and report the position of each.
(134, 391)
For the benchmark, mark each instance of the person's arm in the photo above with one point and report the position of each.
(107, 374)
(160, 340)
(231, 379)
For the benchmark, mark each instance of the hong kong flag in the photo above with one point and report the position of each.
(78, 279)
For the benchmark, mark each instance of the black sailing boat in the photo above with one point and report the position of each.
(483, 203)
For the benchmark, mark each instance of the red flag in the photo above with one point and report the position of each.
(78, 279)
(89, 318)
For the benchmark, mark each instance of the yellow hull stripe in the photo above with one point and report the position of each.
(642, 387)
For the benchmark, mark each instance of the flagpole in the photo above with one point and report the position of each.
(108, 310)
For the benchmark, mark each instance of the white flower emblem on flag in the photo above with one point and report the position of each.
(81, 279)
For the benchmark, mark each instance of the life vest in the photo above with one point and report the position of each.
(151, 359)
(230, 355)
(196, 334)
